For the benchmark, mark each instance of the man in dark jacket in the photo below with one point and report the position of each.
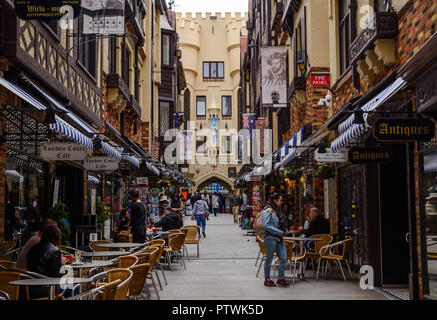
(170, 221)
(318, 224)
(138, 219)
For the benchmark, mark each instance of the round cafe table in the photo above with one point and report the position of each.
(104, 254)
(120, 245)
(301, 241)
(50, 282)
(92, 264)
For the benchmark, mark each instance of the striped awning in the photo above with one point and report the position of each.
(132, 160)
(111, 151)
(294, 143)
(66, 130)
(350, 132)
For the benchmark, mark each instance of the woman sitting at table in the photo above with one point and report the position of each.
(45, 258)
(124, 221)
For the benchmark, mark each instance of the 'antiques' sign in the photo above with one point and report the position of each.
(403, 129)
(64, 151)
(46, 10)
(101, 164)
(370, 155)
(329, 156)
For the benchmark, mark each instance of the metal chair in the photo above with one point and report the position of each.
(326, 255)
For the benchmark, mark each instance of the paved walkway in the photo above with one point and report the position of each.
(226, 271)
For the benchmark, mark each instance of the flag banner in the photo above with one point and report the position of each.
(103, 16)
(186, 146)
(249, 122)
(274, 76)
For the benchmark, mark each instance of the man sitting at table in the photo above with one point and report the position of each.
(318, 224)
(170, 221)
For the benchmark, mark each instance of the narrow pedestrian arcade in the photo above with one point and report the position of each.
(226, 270)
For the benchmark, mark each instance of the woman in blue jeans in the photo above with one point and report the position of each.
(274, 226)
(200, 211)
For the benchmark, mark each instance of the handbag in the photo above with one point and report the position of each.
(205, 207)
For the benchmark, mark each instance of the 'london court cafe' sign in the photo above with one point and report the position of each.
(101, 164)
(63, 151)
(404, 129)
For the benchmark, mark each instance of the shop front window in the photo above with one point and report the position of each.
(25, 198)
(430, 194)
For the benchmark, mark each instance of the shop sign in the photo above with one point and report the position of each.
(45, 10)
(370, 155)
(404, 129)
(141, 181)
(320, 80)
(64, 151)
(101, 164)
(330, 156)
(184, 170)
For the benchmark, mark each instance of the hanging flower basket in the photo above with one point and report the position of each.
(292, 173)
(325, 171)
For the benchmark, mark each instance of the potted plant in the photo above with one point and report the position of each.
(325, 170)
(60, 213)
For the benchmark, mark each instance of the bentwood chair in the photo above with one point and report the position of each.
(124, 275)
(174, 231)
(175, 243)
(191, 237)
(292, 258)
(12, 291)
(161, 244)
(158, 261)
(109, 291)
(326, 254)
(7, 264)
(138, 282)
(259, 253)
(262, 250)
(314, 255)
(127, 261)
(94, 247)
(153, 257)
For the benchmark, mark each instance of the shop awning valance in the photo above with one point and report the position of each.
(295, 142)
(66, 130)
(111, 151)
(21, 93)
(284, 150)
(132, 160)
(350, 132)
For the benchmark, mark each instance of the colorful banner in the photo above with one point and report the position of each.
(274, 76)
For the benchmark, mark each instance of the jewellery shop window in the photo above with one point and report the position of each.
(430, 193)
(25, 185)
(95, 204)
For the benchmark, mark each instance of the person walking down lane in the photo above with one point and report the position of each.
(138, 219)
(274, 227)
(200, 211)
(215, 202)
(234, 203)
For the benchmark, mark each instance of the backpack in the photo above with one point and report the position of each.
(258, 223)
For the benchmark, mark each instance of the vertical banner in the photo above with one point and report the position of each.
(56, 192)
(103, 16)
(186, 146)
(274, 76)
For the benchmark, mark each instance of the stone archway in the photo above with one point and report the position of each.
(214, 177)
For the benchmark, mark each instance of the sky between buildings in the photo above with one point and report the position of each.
(211, 5)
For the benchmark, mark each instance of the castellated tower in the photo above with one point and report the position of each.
(210, 45)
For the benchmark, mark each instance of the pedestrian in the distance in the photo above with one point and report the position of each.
(200, 209)
(235, 202)
(215, 202)
(138, 219)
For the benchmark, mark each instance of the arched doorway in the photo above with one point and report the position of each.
(213, 185)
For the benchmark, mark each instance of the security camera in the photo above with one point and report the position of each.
(328, 98)
(322, 102)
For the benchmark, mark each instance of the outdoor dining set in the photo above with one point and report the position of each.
(108, 271)
(323, 251)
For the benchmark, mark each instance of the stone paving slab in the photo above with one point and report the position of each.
(226, 271)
